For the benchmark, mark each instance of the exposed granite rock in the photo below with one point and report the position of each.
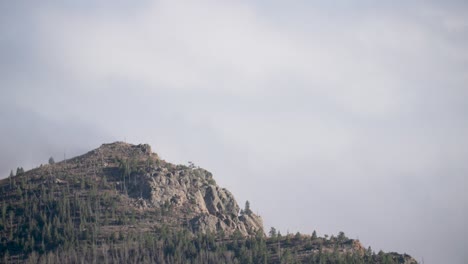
(213, 208)
(190, 192)
(251, 222)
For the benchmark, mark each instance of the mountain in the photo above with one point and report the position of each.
(122, 203)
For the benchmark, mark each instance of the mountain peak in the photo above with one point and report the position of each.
(124, 150)
(119, 191)
(145, 183)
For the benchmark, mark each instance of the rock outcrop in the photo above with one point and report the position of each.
(189, 192)
(211, 208)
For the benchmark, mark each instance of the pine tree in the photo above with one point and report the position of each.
(11, 176)
(19, 171)
(272, 232)
(247, 210)
(314, 235)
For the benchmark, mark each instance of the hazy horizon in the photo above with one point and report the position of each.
(348, 116)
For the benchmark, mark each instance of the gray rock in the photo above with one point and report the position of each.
(182, 192)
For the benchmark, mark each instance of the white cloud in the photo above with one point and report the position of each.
(223, 47)
(171, 45)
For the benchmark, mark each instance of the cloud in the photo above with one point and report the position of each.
(29, 139)
(223, 47)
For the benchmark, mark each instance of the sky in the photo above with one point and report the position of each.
(326, 115)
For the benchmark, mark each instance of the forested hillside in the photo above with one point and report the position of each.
(121, 203)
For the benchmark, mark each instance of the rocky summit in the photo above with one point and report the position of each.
(143, 181)
(122, 203)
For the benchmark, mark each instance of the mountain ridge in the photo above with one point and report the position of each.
(119, 191)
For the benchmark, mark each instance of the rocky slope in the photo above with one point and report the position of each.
(118, 194)
(148, 183)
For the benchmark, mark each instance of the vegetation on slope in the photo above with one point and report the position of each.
(93, 208)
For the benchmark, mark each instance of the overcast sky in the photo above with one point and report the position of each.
(346, 116)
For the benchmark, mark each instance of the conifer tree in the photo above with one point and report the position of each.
(247, 210)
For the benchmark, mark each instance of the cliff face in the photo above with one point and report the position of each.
(192, 193)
